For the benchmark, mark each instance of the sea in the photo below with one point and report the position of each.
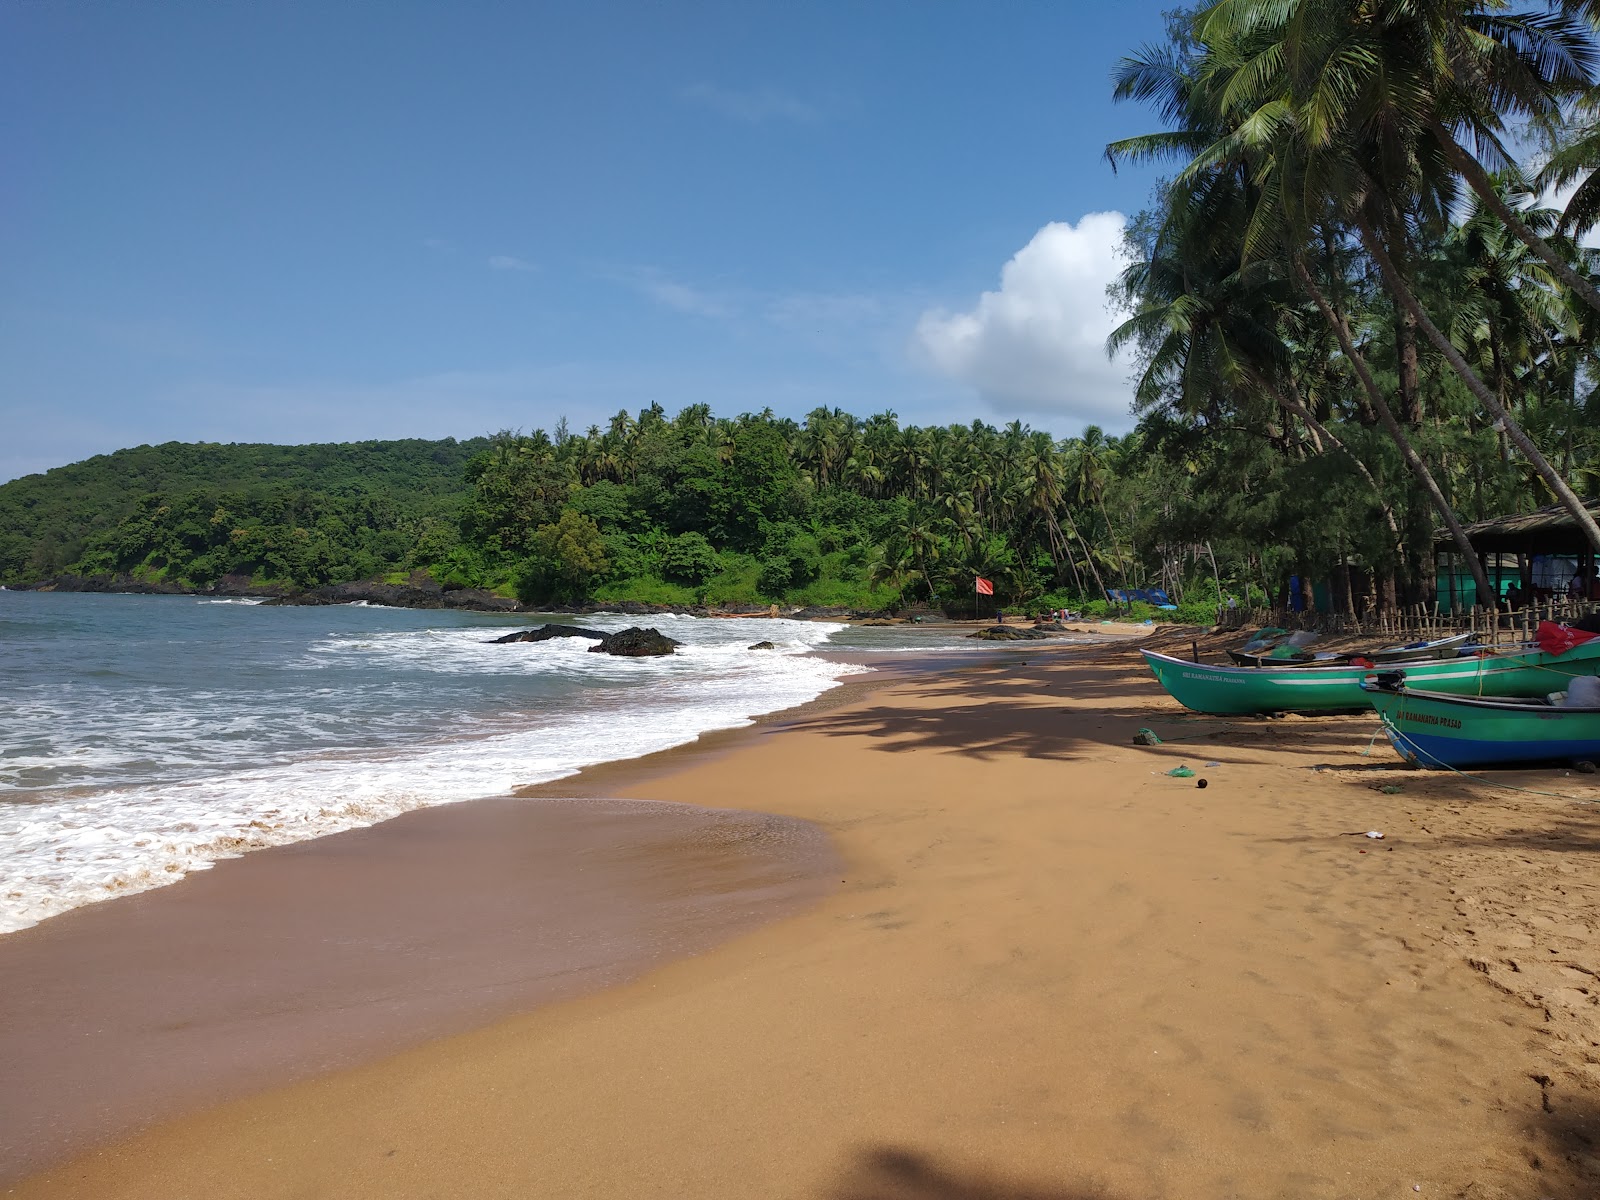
(144, 737)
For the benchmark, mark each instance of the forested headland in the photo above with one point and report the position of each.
(1356, 318)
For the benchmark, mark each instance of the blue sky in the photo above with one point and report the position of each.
(314, 222)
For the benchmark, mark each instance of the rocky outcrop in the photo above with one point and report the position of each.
(763, 646)
(634, 642)
(122, 584)
(875, 622)
(1009, 633)
(545, 632)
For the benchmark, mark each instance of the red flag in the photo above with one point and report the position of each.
(985, 588)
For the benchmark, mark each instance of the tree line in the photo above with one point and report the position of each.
(1349, 288)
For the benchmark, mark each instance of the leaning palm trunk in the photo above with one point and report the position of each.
(1059, 549)
(1485, 394)
(1478, 179)
(1392, 427)
(1088, 555)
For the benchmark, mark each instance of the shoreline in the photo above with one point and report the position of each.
(330, 953)
(1049, 969)
(685, 899)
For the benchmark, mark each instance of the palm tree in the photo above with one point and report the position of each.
(1368, 92)
(1224, 93)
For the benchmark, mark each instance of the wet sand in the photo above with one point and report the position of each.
(302, 959)
(1051, 971)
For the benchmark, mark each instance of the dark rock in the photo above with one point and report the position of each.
(1051, 627)
(634, 642)
(419, 593)
(805, 614)
(763, 646)
(1009, 633)
(479, 600)
(121, 584)
(545, 632)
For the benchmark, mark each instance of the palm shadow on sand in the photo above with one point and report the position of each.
(892, 1173)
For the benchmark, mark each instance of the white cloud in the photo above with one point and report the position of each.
(1038, 344)
(753, 106)
(507, 262)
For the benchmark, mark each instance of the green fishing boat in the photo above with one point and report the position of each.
(1430, 729)
(1234, 690)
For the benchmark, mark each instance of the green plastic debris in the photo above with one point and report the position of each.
(1146, 737)
(1181, 773)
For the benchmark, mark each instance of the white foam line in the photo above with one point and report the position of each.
(67, 850)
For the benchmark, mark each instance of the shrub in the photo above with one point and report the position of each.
(735, 581)
(776, 577)
(688, 558)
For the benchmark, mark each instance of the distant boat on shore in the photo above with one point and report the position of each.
(1433, 729)
(1412, 652)
(1232, 691)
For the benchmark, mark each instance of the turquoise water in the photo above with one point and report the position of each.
(145, 737)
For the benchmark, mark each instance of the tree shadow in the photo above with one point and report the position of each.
(1566, 1152)
(894, 1173)
(1554, 834)
(996, 712)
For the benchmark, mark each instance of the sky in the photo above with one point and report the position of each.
(311, 222)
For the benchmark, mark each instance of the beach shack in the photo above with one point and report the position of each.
(1532, 558)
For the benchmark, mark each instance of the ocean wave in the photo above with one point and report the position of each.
(154, 782)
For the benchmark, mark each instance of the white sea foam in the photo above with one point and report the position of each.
(137, 796)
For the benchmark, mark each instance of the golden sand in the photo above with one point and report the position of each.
(1049, 971)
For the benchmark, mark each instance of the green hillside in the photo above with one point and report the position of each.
(191, 513)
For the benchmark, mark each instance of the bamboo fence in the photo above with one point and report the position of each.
(1417, 622)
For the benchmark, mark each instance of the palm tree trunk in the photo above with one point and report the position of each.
(1503, 419)
(1060, 549)
(1391, 426)
(1478, 179)
(1088, 555)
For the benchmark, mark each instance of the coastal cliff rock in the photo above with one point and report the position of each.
(419, 592)
(635, 643)
(763, 646)
(545, 632)
(1009, 633)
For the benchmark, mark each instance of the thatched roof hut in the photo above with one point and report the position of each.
(1551, 530)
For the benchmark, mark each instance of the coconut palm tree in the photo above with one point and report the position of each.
(1218, 83)
(1351, 101)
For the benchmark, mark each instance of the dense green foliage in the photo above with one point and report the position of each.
(833, 510)
(190, 514)
(692, 509)
(1348, 331)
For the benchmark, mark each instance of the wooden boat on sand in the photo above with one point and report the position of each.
(1433, 729)
(1236, 690)
(1412, 652)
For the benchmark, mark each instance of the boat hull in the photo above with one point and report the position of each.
(1232, 691)
(1434, 730)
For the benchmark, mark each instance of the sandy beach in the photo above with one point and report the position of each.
(1046, 970)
